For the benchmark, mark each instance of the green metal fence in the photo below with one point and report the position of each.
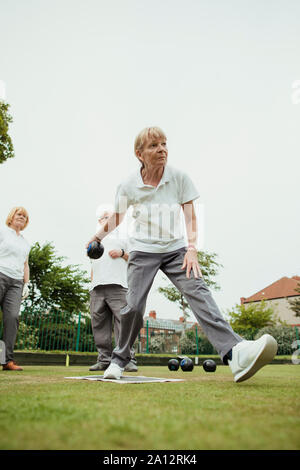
(54, 331)
(64, 331)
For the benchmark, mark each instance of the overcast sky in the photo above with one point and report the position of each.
(221, 78)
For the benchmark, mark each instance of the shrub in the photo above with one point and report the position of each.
(27, 337)
(157, 344)
(284, 335)
(248, 334)
(205, 347)
(187, 345)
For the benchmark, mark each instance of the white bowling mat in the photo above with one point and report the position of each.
(127, 379)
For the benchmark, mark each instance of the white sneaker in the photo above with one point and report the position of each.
(250, 356)
(131, 367)
(113, 372)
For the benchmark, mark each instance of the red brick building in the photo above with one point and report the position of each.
(170, 329)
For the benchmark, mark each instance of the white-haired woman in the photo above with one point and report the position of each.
(158, 193)
(14, 279)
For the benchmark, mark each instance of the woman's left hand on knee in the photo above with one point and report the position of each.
(190, 262)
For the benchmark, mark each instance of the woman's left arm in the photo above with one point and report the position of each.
(191, 259)
(26, 272)
(25, 292)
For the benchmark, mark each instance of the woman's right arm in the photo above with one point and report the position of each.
(112, 223)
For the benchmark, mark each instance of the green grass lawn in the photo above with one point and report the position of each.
(40, 409)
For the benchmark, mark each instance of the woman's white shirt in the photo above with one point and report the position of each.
(14, 250)
(157, 217)
(108, 270)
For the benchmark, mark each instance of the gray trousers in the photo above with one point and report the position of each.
(10, 303)
(141, 270)
(106, 301)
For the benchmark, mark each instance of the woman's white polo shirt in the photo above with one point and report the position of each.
(157, 217)
(14, 250)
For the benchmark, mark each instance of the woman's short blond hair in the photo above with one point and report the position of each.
(13, 212)
(145, 134)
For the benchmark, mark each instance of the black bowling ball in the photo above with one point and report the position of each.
(209, 365)
(187, 364)
(173, 364)
(95, 250)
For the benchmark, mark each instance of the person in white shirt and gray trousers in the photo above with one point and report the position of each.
(159, 194)
(14, 279)
(108, 291)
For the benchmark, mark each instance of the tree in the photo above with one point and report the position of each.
(247, 319)
(295, 304)
(53, 286)
(209, 268)
(187, 343)
(6, 145)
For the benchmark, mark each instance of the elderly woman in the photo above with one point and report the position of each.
(14, 278)
(158, 193)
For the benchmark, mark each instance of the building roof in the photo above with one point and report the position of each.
(284, 287)
(166, 324)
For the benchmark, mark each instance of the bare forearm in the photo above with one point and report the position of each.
(191, 229)
(191, 224)
(112, 223)
(26, 273)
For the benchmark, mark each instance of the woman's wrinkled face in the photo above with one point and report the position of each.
(154, 152)
(19, 220)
